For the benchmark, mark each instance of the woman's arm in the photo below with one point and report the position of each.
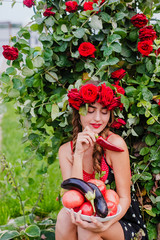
(72, 164)
(120, 163)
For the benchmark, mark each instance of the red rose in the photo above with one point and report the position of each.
(139, 20)
(159, 102)
(157, 52)
(145, 47)
(118, 123)
(88, 6)
(118, 74)
(74, 98)
(96, 1)
(28, 3)
(71, 6)
(115, 103)
(89, 93)
(119, 89)
(10, 53)
(87, 49)
(147, 33)
(48, 12)
(105, 99)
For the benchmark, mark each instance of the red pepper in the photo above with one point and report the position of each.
(105, 144)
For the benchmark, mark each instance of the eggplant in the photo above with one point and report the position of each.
(81, 186)
(91, 193)
(99, 202)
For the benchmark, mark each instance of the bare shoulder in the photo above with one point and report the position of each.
(117, 140)
(65, 151)
(65, 147)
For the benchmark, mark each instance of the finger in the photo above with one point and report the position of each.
(96, 222)
(72, 216)
(79, 221)
(91, 134)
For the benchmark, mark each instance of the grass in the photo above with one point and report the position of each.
(32, 187)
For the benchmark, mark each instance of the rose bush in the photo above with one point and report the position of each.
(110, 42)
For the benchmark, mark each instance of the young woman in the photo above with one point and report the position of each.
(83, 157)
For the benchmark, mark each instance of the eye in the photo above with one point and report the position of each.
(90, 109)
(104, 111)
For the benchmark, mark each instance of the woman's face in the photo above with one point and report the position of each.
(96, 119)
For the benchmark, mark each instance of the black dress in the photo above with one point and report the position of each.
(132, 222)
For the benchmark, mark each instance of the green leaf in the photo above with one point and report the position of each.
(150, 212)
(126, 51)
(151, 121)
(144, 151)
(125, 102)
(51, 77)
(27, 72)
(107, 51)
(29, 63)
(150, 139)
(113, 38)
(83, 110)
(40, 122)
(120, 31)
(14, 93)
(113, 61)
(7, 235)
(5, 78)
(11, 71)
(150, 66)
(133, 35)
(49, 21)
(96, 23)
(130, 91)
(116, 47)
(32, 231)
(105, 17)
(64, 28)
(145, 176)
(152, 231)
(54, 112)
(34, 27)
(38, 62)
(111, 2)
(79, 33)
(147, 94)
(120, 16)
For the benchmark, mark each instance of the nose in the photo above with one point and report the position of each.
(97, 116)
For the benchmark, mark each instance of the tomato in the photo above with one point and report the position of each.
(76, 209)
(112, 207)
(72, 199)
(100, 184)
(111, 196)
(86, 208)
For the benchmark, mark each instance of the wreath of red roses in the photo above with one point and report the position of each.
(90, 93)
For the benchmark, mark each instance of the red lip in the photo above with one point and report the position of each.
(95, 125)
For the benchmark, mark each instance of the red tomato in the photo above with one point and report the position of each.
(100, 184)
(86, 208)
(76, 209)
(72, 199)
(111, 196)
(112, 207)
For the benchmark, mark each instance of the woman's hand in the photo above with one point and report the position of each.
(93, 226)
(85, 140)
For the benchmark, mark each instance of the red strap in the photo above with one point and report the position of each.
(71, 142)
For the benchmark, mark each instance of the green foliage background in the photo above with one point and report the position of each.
(38, 81)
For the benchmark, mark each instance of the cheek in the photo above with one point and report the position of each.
(106, 118)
